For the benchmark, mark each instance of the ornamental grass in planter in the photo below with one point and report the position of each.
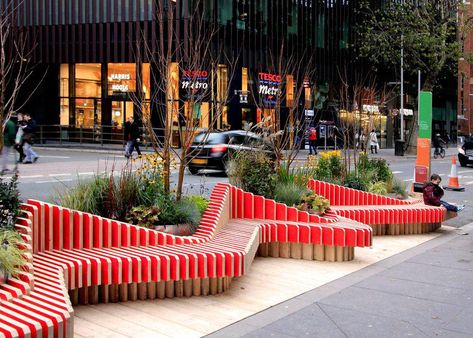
(11, 257)
(136, 197)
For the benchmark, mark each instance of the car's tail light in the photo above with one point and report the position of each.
(219, 148)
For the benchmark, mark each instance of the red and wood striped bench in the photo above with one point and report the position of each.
(83, 258)
(387, 216)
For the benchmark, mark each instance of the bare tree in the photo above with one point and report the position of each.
(188, 64)
(362, 95)
(16, 49)
(279, 100)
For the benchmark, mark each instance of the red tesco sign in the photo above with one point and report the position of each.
(270, 77)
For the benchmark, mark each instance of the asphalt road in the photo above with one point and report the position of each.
(59, 169)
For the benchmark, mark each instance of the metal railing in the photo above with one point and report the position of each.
(101, 135)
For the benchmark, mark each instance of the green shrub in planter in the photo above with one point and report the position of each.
(199, 201)
(182, 212)
(9, 202)
(379, 188)
(312, 202)
(144, 216)
(354, 182)
(400, 189)
(252, 172)
(289, 193)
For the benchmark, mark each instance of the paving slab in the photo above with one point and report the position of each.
(425, 291)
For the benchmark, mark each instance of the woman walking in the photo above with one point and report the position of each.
(373, 141)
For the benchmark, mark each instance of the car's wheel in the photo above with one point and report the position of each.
(462, 163)
(193, 170)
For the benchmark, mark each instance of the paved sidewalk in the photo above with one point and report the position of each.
(423, 292)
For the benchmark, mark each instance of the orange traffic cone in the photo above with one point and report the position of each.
(453, 178)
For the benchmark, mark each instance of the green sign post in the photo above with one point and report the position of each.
(425, 115)
(422, 170)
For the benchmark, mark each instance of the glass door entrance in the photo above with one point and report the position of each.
(121, 110)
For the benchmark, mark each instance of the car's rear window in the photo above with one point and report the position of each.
(212, 138)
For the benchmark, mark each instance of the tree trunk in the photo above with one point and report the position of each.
(181, 172)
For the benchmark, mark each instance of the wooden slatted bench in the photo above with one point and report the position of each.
(387, 216)
(82, 258)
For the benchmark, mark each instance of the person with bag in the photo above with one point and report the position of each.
(29, 130)
(8, 142)
(373, 141)
(132, 137)
(312, 141)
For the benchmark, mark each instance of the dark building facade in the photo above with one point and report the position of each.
(97, 56)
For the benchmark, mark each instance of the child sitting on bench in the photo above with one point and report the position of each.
(433, 193)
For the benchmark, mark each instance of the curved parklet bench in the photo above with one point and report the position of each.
(386, 215)
(82, 258)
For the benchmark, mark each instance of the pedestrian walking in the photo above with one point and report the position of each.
(362, 141)
(132, 137)
(9, 134)
(433, 192)
(29, 131)
(373, 139)
(312, 141)
(19, 137)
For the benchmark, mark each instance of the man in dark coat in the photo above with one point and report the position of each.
(132, 137)
(29, 131)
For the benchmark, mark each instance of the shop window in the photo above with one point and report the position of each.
(64, 80)
(292, 18)
(244, 79)
(225, 12)
(85, 113)
(64, 94)
(121, 110)
(308, 97)
(121, 78)
(88, 80)
(64, 113)
(222, 94)
(197, 114)
(146, 79)
(290, 91)
(320, 31)
(172, 93)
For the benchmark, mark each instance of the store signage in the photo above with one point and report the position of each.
(117, 85)
(306, 82)
(243, 94)
(370, 108)
(120, 87)
(195, 80)
(269, 87)
(120, 77)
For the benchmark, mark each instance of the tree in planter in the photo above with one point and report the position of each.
(352, 96)
(279, 95)
(191, 64)
(16, 49)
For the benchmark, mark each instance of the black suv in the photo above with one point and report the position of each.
(465, 152)
(212, 150)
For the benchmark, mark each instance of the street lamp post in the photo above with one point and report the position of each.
(402, 88)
